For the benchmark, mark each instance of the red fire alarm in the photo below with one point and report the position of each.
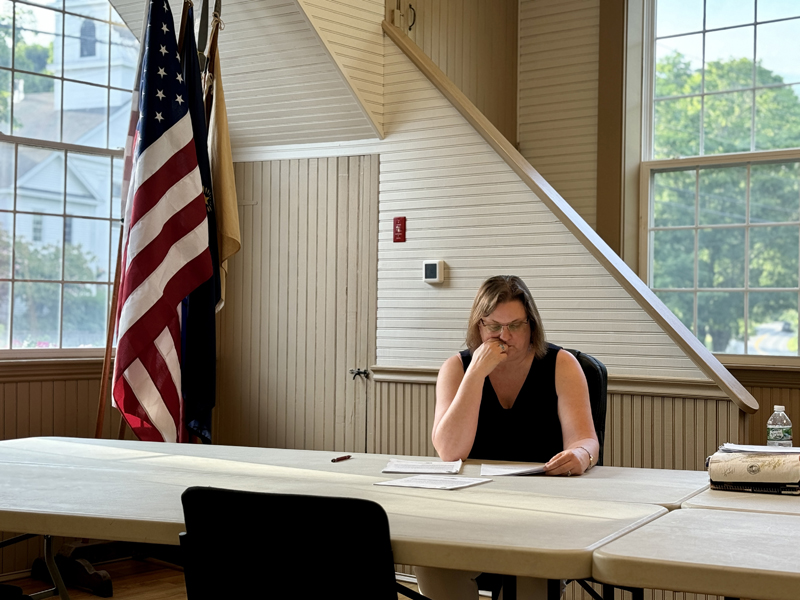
(399, 229)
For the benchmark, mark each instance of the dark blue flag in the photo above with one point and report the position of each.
(199, 332)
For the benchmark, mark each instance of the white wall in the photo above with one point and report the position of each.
(465, 206)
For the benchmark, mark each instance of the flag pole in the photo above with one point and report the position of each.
(112, 319)
(126, 179)
(187, 4)
(212, 56)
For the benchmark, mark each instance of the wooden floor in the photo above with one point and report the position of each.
(133, 579)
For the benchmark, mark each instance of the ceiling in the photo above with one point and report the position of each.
(281, 84)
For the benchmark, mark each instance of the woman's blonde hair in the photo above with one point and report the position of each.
(497, 290)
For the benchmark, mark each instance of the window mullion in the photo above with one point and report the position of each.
(696, 303)
(39, 177)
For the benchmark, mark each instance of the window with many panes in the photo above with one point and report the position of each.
(722, 170)
(66, 74)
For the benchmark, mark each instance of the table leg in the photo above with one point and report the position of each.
(509, 587)
(553, 589)
(60, 589)
(608, 592)
(17, 539)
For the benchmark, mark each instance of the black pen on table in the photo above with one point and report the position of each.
(341, 458)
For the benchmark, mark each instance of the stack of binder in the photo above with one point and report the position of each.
(760, 469)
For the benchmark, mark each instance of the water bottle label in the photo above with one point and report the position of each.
(779, 433)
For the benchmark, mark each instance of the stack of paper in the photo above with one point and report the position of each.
(760, 449)
(435, 474)
(489, 470)
(434, 482)
(435, 467)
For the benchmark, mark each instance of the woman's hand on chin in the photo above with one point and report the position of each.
(488, 355)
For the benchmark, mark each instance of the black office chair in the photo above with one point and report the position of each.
(249, 545)
(597, 379)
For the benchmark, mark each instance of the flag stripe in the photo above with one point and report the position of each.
(154, 286)
(155, 223)
(170, 354)
(149, 194)
(178, 227)
(155, 156)
(159, 370)
(151, 401)
(146, 329)
(133, 413)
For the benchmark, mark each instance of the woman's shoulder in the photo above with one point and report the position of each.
(452, 370)
(457, 362)
(566, 363)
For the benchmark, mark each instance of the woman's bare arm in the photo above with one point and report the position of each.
(575, 414)
(458, 400)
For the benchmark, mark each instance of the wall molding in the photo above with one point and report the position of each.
(51, 369)
(776, 377)
(635, 386)
(386, 374)
(672, 387)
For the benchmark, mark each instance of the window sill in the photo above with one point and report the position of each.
(763, 371)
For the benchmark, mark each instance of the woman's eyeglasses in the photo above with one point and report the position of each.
(512, 327)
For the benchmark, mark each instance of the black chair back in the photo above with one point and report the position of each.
(254, 545)
(597, 379)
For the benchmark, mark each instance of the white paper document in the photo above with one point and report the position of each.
(488, 470)
(433, 467)
(760, 449)
(434, 482)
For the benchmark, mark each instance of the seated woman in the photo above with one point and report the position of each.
(510, 396)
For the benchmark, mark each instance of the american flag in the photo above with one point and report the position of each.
(165, 243)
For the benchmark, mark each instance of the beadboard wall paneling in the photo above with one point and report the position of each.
(641, 430)
(464, 205)
(666, 432)
(281, 84)
(475, 44)
(300, 310)
(352, 33)
(403, 419)
(558, 83)
(768, 397)
(64, 407)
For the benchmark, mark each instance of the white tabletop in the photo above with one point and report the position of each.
(744, 555)
(667, 488)
(744, 501)
(123, 490)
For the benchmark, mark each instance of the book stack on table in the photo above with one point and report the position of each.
(760, 469)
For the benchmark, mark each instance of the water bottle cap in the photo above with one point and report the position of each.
(779, 408)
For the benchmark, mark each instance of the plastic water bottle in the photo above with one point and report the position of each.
(779, 428)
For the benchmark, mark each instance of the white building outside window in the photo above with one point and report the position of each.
(66, 74)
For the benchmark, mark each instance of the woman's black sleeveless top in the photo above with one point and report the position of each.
(529, 431)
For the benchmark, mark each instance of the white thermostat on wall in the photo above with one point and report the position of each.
(433, 271)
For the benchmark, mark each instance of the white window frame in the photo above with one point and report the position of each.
(12, 354)
(646, 10)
